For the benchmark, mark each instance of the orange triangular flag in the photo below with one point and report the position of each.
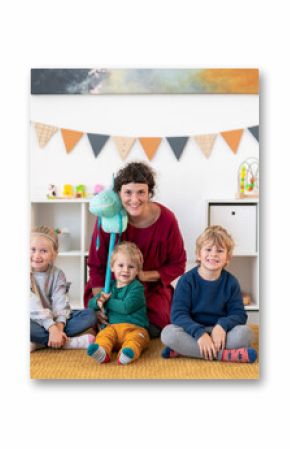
(233, 138)
(44, 133)
(124, 145)
(205, 143)
(70, 138)
(150, 145)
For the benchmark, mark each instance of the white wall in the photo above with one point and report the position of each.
(183, 185)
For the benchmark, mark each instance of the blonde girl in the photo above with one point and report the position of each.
(52, 322)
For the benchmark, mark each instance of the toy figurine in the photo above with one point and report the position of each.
(51, 192)
(80, 191)
(67, 191)
(98, 188)
(112, 218)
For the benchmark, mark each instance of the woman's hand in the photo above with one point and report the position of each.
(57, 337)
(148, 276)
(218, 336)
(207, 347)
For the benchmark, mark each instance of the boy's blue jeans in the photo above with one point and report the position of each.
(79, 321)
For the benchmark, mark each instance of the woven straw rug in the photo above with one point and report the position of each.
(75, 364)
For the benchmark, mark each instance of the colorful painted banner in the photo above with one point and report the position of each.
(150, 145)
(144, 81)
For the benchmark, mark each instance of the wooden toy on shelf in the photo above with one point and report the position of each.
(248, 179)
(80, 191)
(67, 191)
(98, 188)
(51, 192)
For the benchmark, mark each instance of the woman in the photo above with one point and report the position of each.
(154, 229)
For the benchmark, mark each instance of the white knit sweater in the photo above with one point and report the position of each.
(52, 304)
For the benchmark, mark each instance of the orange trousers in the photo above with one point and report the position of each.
(123, 335)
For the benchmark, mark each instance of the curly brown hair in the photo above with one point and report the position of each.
(137, 172)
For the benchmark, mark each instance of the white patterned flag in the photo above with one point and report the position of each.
(44, 133)
(124, 145)
(206, 143)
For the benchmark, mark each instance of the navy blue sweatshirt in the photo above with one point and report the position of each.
(198, 303)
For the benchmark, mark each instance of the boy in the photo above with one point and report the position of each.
(208, 316)
(125, 307)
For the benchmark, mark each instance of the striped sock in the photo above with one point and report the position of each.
(168, 353)
(126, 356)
(98, 353)
(241, 355)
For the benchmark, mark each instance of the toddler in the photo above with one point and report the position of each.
(208, 316)
(125, 307)
(52, 322)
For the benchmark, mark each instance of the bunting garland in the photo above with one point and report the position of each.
(70, 138)
(206, 143)
(177, 145)
(97, 142)
(150, 145)
(124, 145)
(255, 131)
(44, 133)
(233, 138)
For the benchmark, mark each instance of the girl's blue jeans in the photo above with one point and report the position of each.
(79, 321)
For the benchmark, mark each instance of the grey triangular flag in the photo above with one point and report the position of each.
(97, 142)
(177, 144)
(255, 131)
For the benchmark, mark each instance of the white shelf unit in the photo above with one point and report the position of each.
(241, 219)
(72, 214)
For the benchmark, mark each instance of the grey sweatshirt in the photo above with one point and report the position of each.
(53, 304)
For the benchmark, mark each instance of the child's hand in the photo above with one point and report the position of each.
(57, 337)
(218, 336)
(102, 299)
(207, 347)
(102, 319)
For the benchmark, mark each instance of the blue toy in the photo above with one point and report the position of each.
(112, 218)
